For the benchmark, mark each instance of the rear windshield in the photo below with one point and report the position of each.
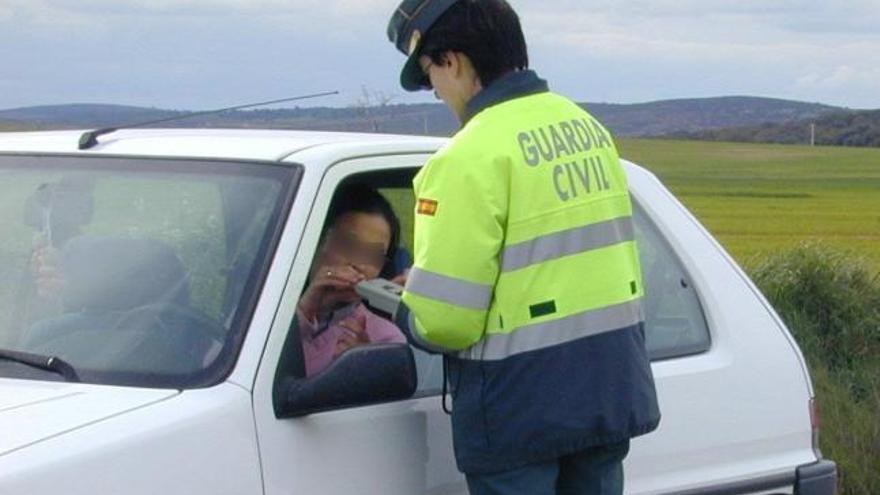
(139, 272)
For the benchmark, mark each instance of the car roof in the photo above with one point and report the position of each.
(247, 144)
(228, 144)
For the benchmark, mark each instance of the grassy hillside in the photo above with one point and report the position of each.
(699, 114)
(758, 198)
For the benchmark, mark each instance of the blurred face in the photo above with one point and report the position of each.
(356, 239)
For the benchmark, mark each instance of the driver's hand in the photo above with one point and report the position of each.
(332, 285)
(355, 335)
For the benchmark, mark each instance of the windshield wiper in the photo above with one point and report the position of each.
(48, 363)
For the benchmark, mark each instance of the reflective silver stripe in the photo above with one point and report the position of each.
(449, 290)
(541, 335)
(566, 243)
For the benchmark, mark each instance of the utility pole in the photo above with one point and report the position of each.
(813, 134)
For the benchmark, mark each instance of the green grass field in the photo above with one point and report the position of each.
(758, 198)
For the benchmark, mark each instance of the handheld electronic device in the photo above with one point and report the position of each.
(380, 295)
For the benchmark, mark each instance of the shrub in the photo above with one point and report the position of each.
(830, 300)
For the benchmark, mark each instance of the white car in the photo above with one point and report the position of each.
(163, 358)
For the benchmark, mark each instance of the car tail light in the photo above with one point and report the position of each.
(815, 423)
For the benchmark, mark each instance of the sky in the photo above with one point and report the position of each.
(203, 54)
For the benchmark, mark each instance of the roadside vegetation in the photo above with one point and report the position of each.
(830, 299)
(805, 223)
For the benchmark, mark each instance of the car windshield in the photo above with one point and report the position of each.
(140, 272)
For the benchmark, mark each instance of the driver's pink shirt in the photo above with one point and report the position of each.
(319, 345)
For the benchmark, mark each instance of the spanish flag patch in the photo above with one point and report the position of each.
(427, 207)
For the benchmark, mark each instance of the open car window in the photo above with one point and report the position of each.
(300, 352)
(138, 272)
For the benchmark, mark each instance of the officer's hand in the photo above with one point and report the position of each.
(402, 278)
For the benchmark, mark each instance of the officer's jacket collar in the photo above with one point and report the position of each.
(513, 85)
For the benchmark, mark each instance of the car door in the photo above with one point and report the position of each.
(401, 447)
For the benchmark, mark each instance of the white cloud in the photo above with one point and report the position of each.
(789, 48)
(49, 11)
(839, 77)
(780, 13)
(853, 81)
(786, 48)
(684, 24)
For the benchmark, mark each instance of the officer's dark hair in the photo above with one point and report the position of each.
(487, 31)
(360, 198)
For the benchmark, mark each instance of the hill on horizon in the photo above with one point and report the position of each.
(694, 114)
(652, 119)
(853, 128)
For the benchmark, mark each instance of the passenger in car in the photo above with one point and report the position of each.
(99, 280)
(359, 242)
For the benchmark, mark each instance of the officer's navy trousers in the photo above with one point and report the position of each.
(596, 471)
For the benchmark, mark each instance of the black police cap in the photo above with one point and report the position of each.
(408, 25)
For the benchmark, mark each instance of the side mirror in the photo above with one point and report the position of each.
(364, 375)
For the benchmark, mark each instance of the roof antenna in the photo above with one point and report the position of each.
(89, 139)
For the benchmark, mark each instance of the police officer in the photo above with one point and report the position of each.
(526, 274)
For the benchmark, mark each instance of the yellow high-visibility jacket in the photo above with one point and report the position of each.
(525, 264)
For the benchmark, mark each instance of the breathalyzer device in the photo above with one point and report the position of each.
(381, 295)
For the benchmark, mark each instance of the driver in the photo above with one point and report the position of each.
(359, 241)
